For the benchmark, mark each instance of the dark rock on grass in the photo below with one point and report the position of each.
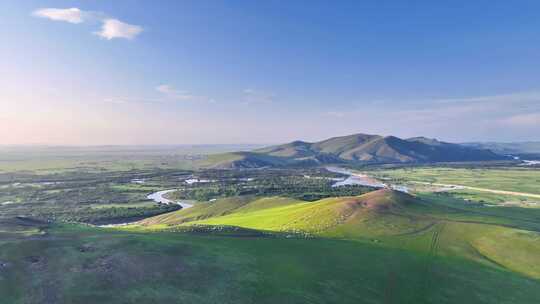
(33, 259)
(86, 248)
(36, 262)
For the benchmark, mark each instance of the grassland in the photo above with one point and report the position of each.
(495, 186)
(130, 267)
(50, 165)
(381, 247)
(391, 219)
(265, 236)
(507, 179)
(496, 198)
(121, 196)
(47, 160)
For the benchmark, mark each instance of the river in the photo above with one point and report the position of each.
(159, 197)
(362, 180)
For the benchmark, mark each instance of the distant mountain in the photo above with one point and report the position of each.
(513, 148)
(354, 149)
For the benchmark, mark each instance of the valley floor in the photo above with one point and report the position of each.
(269, 236)
(533, 195)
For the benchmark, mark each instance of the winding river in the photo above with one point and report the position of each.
(159, 197)
(362, 180)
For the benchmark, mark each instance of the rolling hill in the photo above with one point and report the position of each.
(390, 218)
(286, 214)
(353, 149)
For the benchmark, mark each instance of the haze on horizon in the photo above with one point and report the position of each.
(196, 72)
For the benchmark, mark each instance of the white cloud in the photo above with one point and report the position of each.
(71, 15)
(171, 93)
(252, 96)
(110, 27)
(114, 28)
(523, 120)
(512, 116)
(335, 114)
(165, 89)
(130, 100)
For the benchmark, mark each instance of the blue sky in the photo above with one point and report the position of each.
(154, 72)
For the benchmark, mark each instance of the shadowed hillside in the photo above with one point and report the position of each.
(353, 149)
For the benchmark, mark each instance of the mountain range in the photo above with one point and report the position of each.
(354, 149)
(509, 148)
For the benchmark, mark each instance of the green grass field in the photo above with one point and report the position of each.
(508, 179)
(51, 165)
(58, 159)
(495, 198)
(487, 235)
(379, 247)
(130, 267)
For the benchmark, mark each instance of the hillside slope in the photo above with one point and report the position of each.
(391, 218)
(319, 216)
(354, 149)
(285, 214)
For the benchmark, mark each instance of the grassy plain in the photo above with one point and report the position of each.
(130, 267)
(488, 235)
(508, 179)
(58, 159)
(284, 236)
